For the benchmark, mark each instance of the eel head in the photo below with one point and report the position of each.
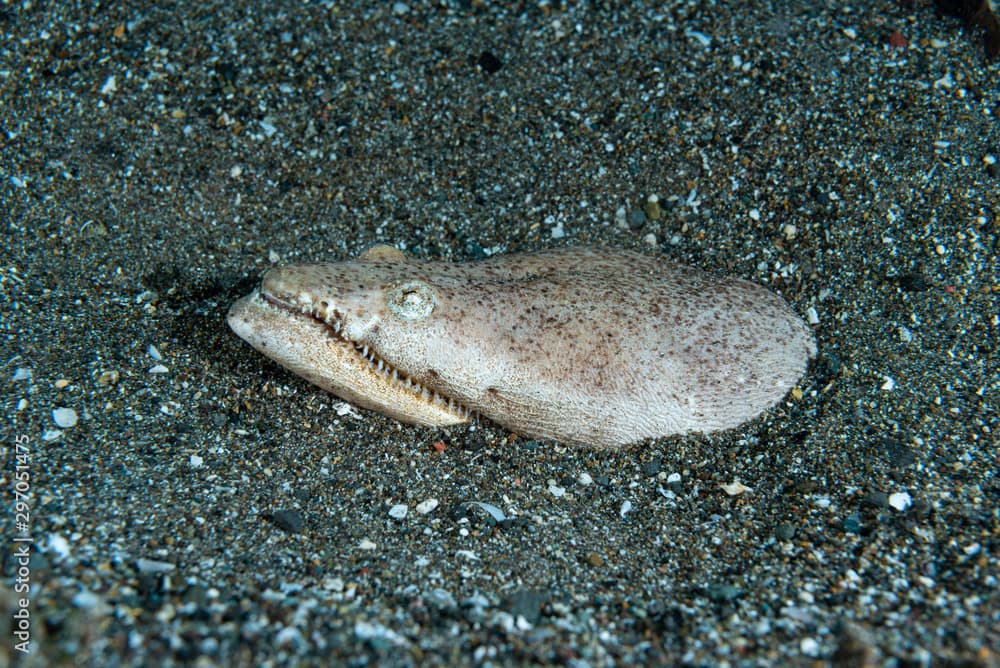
(327, 322)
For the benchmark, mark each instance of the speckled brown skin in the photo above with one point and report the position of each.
(596, 347)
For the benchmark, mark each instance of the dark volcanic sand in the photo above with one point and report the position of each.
(208, 508)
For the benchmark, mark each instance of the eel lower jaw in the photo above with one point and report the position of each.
(382, 378)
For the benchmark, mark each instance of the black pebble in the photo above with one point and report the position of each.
(290, 521)
(785, 531)
(652, 467)
(636, 219)
(489, 63)
(912, 282)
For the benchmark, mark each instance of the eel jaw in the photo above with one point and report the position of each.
(312, 344)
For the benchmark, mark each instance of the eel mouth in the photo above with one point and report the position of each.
(389, 381)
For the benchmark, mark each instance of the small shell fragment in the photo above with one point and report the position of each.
(734, 488)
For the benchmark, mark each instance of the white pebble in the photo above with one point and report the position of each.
(196, 461)
(154, 353)
(900, 500)
(64, 417)
(110, 86)
(58, 546)
(398, 511)
(153, 566)
(269, 128)
(905, 335)
(812, 317)
(888, 384)
(557, 491)
(674, 477)
(427, 506)
(88, 600)
(585, 479)
(344, 408)
(159, 368)
(366, 544)
(626, 508)
(809, 646)
(22, 373)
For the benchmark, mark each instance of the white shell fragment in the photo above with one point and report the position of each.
(494, 512)
(735, 488)
(625, 509)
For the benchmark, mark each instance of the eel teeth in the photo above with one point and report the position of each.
(375, 363)
(383, 368)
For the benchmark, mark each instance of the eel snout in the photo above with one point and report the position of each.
(311, 341)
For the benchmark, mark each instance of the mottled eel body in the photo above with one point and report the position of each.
(597, 347)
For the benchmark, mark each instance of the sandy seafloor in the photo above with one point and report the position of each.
(208, 508)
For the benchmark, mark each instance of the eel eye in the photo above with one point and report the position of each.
(413, 300)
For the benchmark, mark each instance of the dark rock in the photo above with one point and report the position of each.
(489, 63)
(785, 531)
(652, 467)
(852, 523)
(290, 521)
(527, 603)
(636, 219)
(723, 592)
